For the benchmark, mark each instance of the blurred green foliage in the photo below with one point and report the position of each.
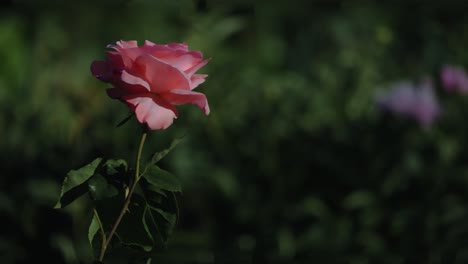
(293, 165)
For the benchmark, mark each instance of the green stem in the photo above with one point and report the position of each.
(129, 196)
(101, 228)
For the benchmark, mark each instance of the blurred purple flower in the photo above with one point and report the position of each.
(454, 78)
(414, 101)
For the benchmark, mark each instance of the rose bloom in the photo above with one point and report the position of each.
(152, 79)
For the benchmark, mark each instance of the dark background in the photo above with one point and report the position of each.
(295, 164)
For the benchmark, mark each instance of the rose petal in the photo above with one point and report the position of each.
(156, 113)
(178, 46)
(148, 43)
(159, 47)
(173, 45)
(128, 84)
(129, 56)
(133, 80)
(179, 97)
(196, 67)
(181, 59)
(128, 44)
(100, 70)
(196, 80)
(162, 77)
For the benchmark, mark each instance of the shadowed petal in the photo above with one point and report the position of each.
(133, 80)
(101, 70)
(179, 97)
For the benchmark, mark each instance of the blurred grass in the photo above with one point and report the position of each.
(293, 165)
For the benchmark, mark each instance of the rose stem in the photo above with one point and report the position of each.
(127, 200)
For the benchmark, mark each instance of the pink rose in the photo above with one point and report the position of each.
(151, 79)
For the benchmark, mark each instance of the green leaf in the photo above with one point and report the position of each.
(115, 166)
(160, 214)
(162, 179)
(100, 189)
(72, 186)
(161, 154)
(150, 220)
(77, 177)
(170, 218)
(151, 216)
(158, 223)
(93, 229)
(155, 189)
(132, 231)
(150, 229)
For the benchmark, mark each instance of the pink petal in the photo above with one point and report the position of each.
(127, 44)
(162, 77)
(122, 45)
(156, 113)
(127, 84)
(152, 47)
(129, 56)
(176, 54)
(148, 43)
(196, 80)
(183, 61)
(179, 97)
(178, 46)
(100, 70)
(121, 89)
(196, 67)
(134, 80)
